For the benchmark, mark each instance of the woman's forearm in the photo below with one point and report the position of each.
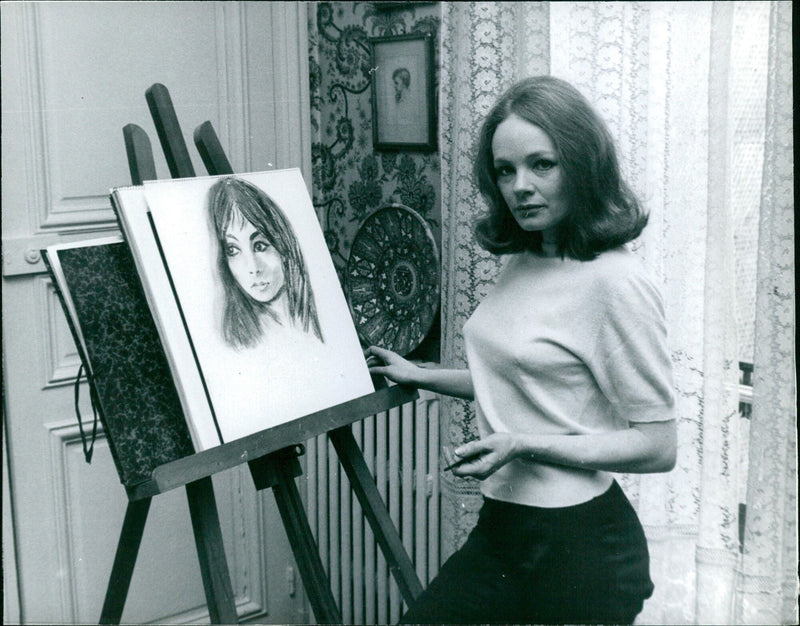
(643, 448)
(450, 382)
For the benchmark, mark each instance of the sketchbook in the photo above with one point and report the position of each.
(98, 286)
(248, 306)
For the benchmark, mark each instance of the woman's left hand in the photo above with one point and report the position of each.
(490, 453)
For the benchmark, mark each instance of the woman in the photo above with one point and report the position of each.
(570, 372)
(263, 273)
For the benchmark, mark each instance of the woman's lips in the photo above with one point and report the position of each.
(529, 209)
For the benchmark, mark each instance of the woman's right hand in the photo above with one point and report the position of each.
(390, 364)
(451, 382)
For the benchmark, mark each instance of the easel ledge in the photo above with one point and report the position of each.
(208, 462)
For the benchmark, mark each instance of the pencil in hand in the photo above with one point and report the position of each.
(454, 461)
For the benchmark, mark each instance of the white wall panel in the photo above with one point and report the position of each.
(89, 92)
(61, 355)
(74, 73)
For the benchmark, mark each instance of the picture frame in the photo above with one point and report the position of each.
(403, 93)
(385, 5)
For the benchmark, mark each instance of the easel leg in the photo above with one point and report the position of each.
(122, 571)
(374, 509)
(278, 470)
(210, 552)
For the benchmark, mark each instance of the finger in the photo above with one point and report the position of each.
(477, 469)
(381, 353)
(381, 370)
(472, 448)
(376, 355)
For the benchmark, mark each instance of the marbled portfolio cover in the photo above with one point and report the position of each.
(139, 406)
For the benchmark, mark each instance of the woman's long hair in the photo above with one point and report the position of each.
(232, 198)
(604, 213)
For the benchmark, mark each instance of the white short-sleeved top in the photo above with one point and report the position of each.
(561, 346)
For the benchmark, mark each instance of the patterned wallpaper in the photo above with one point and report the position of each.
(350, 179)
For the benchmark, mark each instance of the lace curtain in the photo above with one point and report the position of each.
(768, 575)
(660, 74)
(483, 48)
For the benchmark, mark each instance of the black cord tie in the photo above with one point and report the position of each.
(87, 450)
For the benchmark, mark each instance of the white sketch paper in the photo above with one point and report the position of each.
(262, 304)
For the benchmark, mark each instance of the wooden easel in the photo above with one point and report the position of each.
(272, 455)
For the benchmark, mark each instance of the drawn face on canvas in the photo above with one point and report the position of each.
(253, 261)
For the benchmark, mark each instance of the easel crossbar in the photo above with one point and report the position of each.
(208, 462)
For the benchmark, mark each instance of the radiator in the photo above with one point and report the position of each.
(401, 448)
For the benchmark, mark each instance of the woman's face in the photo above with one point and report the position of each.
(253, 261)
(529, 176)
(399, 86)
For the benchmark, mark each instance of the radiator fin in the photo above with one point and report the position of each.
(401, 448)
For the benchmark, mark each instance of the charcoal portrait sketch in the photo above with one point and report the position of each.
(401, 108)
(261, 266)
(268, 322)
(402, 81)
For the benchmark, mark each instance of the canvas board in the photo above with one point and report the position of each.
(133, 213)
(295, 363)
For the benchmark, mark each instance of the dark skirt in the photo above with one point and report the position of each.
(580, 564)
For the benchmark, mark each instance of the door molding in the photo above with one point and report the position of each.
(11, 612)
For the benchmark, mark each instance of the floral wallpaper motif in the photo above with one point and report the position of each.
(350, 179)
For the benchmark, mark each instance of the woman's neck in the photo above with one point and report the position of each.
(549, 242)
(549, 249)
(279, 307)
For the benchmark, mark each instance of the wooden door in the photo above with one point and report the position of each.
(73, 75)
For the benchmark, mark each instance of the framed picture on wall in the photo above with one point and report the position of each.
(403, 93)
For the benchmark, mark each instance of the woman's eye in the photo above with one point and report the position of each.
(543, 165)
(260, 246)
(504, 170)
(231, 250)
